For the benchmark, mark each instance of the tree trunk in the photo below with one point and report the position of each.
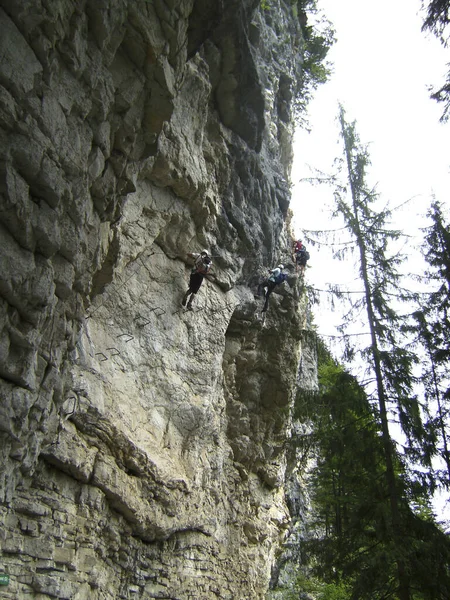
(403, 579)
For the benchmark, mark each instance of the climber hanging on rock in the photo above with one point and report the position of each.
(296, 247)
(301, 256)
(202, 266)
(268, 285)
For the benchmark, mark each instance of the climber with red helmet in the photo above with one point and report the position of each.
(202, 266)
(297, 246)
(301, 256)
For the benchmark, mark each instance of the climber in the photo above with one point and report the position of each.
(202, 266)
(276, 277)
(301, 256)
(297, 246)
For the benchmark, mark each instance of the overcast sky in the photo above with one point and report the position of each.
(383, 66)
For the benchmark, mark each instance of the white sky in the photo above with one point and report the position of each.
(383, 65)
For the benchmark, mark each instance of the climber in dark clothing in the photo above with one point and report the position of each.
(276, 276)
(301, 258)
(201, 267)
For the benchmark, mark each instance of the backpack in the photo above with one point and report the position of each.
(281, 277)
(202, 268)
(306, 254)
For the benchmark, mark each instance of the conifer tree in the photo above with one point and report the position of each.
(390, 363)
(432, 327)
(353, 547)
(437, 18)
(400, 520)
(437, 21)
(401, 531)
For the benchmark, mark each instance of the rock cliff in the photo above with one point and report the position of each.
(143, 446)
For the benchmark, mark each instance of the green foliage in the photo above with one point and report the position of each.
(353, 555)
(350, 497)
(377, 532)
(334, 591)
(313, 586)
(390, 361)
(431, 326)
(318, 38)
(438, 248)
(442, 95)
(437, 20)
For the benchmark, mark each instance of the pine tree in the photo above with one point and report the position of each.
(437, 20)
(353, 547)
(403, 492)
(350, 496)
(390, 363)
(432, 327)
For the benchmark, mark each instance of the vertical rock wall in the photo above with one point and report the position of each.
(142, 447)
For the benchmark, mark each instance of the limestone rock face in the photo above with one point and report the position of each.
(143, 446)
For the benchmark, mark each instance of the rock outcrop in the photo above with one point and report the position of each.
(142, 446)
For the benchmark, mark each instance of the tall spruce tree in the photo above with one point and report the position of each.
(400, 517)
(353, 548)
(432, 327)
(390, 363)
(349, 490)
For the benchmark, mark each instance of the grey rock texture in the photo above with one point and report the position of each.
(142, 447)
(300, 463)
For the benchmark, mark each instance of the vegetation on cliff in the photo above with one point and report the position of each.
(437, 20)
(351, 553)
(318, 36)
(381, 446)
